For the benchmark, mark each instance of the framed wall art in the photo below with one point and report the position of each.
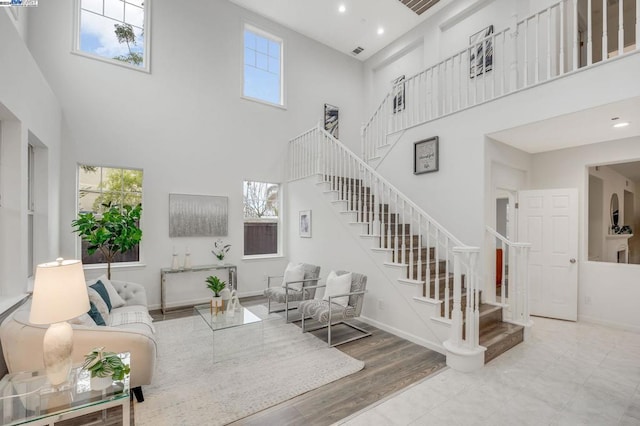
(198, 216)
(481, 54)
(304, 223)
(398, 94)
(331, 120)
(425, 156)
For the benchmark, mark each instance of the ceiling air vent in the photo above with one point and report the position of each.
(357, 50)
(419, 6)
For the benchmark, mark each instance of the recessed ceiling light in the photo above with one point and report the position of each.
(342, 8)
(621, 124)
(380, 30)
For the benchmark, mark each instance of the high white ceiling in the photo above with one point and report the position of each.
(357, 26)
(575, 129)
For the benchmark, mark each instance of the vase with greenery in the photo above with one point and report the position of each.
(220, 249)
(114, 231)
(216, 285)
(107, 366)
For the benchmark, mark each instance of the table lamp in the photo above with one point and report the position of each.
(59, 294)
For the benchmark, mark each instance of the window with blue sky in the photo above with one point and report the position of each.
(114, 30)
(262, 66)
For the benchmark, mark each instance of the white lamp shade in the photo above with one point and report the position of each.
(59, 292)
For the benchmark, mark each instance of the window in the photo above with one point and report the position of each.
(262, 66)
(114, 30)
(99, 187)
(261, 218)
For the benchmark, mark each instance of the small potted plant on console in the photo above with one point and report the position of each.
(105, 367)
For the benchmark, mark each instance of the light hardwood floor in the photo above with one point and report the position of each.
(391, 364)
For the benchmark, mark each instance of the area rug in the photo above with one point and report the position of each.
(277, 362)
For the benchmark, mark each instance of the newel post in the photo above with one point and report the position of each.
(464, 354)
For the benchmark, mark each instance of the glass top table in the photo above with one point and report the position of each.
(27, 397)
(222, 320)
(234, 335)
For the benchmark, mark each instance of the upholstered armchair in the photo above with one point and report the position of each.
(342, 301)
(298, 282)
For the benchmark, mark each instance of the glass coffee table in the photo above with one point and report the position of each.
(28, 398)
(233, 334)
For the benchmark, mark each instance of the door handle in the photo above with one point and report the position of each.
(572, 260)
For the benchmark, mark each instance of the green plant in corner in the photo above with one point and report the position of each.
(215, 284)
(115, 231)
(105, 364)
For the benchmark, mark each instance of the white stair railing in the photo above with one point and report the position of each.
(514, 273)
(539, 48)
(413, 238)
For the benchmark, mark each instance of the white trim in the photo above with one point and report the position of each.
(114, 265)
(8, 302)
(260, 101)
(146, 57)
(407, 336)
(262, 257)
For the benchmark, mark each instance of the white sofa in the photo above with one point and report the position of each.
(22, 341)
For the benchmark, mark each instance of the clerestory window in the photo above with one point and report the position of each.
(115, 31)
(263, 75)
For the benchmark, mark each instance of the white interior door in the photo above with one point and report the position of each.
(548, 219)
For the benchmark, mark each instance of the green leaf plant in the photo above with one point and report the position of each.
(114, 231)
(215, 285)
(105, 364)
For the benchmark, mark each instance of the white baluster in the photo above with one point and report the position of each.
(548, 43)
(536, 71)
(411, 246)
(436, 259)
(589, 34)
(456, 313)
(605, 36)
(637, 24)
(562, 29)
(576, 40)
(526, 53)
(621, 27)
(403, 253)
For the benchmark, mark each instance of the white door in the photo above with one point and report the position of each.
(548, 219)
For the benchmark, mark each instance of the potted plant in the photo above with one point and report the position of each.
(115, 231)
(105, 367)
(220, 249)
(216, 285)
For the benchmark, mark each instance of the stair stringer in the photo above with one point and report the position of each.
(383, 151)
(395, 274)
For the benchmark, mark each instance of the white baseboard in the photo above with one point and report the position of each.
(612, 324)
(250, 293)
(408, 336)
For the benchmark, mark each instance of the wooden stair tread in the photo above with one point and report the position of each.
(499, 337)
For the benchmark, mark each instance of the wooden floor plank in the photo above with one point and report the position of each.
(391, 364)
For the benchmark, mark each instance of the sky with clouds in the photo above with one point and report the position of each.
(97, 20)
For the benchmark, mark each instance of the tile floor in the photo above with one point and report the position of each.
(565, 374)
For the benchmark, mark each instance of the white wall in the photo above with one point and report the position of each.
(600, 283)
(185, 124)
(29, 111)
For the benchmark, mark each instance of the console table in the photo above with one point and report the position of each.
(181, 288)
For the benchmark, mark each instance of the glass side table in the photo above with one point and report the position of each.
(28, 398)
